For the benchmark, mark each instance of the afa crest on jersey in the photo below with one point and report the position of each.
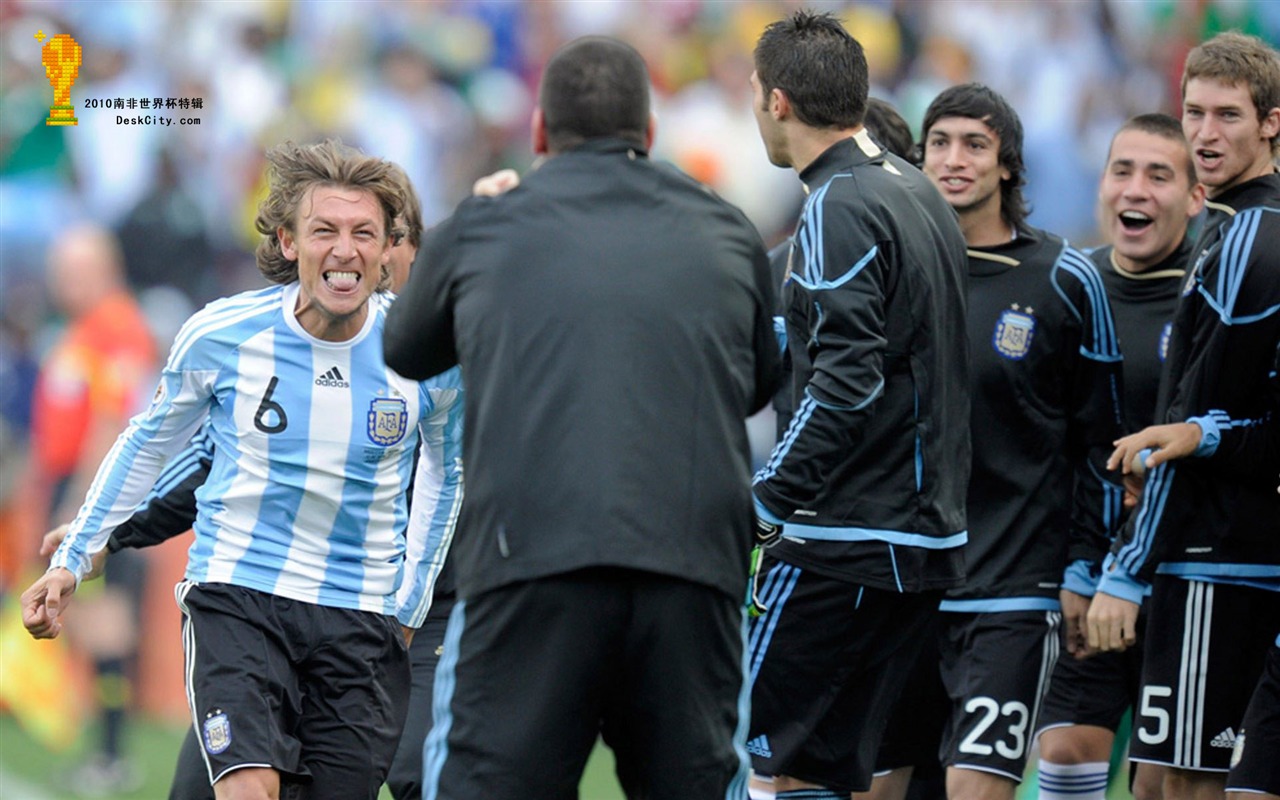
(1013, 334)
(217, 733)
(388, 420)
(1163, 349)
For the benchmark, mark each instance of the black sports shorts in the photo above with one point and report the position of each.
(1255, 759)
(828, 660)
(314, 692)
(1096, 690)
(1205, 647)
(995, 667)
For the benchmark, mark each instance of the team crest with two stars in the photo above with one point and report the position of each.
(388, 420)
(217, 732)
(1014, 330)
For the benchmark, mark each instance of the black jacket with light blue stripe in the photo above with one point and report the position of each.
(1143, 304)
(1216, 516)
(1046, 392)
(870, 474)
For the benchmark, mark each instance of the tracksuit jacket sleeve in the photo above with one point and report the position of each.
(1248, 449)
(418, 341)
(170, 509)
(768, 371)
(841, 274)
(1218, 378)
(1096, 416)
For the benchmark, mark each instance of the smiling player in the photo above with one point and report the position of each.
(301, 576)
(1146, 198)
(1204, 536)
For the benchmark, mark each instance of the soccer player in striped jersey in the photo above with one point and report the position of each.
(1147, 196)
(302, 586)
(1206, 534)
(1045, 408)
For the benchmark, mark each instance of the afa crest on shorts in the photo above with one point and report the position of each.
(217, 732)
(388, 420)
(1014, 331)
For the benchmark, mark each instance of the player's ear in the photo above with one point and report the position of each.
(650, 131)
(1197, 200)
(287, 245)
(779, 104)
(1271, 124)
(538, 132)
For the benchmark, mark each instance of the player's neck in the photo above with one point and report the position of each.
(1135, 266)
(984, 226)
(808, 143)
(329, 328)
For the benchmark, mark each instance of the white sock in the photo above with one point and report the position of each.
(1073, 781)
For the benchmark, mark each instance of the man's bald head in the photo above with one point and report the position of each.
(85, 266)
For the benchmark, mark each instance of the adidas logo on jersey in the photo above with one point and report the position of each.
(332, 378)
(1226, 739)
(759, 746)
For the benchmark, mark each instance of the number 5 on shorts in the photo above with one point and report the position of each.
(1146, 709)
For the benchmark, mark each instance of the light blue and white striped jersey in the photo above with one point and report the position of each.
(314, 446)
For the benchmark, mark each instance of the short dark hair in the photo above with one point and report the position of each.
(976, 101)
(592, 88)
(1234, 58)
(819, 67)
(1166, 127)
(887, 127)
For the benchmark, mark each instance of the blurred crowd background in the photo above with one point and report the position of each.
(445, 88)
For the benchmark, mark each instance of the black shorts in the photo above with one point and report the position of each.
(1097, 690)
(1205, 647)
(996, 668)
(914, 734)
(1255, 760)
(316, 693)
(533, 673)
(828, 660)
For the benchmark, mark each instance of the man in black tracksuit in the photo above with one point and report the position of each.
(1045, 407)
(1206, 535)
(613, 320)
(1146, 198)
(868, 480)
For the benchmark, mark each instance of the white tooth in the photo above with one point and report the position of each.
(1135, 215)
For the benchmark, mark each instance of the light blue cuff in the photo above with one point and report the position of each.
(764, 513)
(1080, 577)
(1117, 582)
(1210, 435)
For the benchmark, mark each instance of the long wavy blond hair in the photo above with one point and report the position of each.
(294, 169)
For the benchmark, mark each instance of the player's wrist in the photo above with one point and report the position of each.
(1117, 582)
(1210, 436)
(1081, 577)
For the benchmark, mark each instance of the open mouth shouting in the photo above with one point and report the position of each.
(1135, 222)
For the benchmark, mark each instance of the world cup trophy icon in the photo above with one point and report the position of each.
(61, 57)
